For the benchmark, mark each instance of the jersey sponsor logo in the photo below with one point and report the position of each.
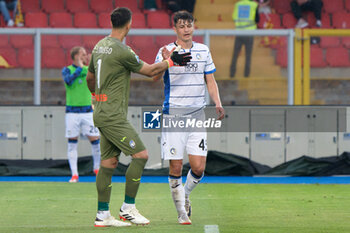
(101, 97)
(191, 67)
(151, 120)
(123, 139)
(132, 144)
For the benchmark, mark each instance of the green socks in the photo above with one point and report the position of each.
(133, 177)
(104, 187)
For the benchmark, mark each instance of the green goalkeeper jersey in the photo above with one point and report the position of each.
(112, 62)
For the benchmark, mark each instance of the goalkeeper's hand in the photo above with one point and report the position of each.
(180, 59)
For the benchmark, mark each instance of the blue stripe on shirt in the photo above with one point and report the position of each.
(210, 72)
(68, 77)
(166, 80)
(78, 109)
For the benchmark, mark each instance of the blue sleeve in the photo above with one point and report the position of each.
(68, 77)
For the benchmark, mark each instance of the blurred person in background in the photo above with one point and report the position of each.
(177, 5)
(246, 16)
(264, 7)
(5, 7)
(79, 111)
(300, 6)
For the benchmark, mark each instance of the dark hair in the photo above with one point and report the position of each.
(184, 15)
(120, 17)
(74, 51)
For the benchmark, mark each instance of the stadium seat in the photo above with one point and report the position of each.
(158, 19)
(4, 41)
(36, 20)
(100, 6)
(317, 57)
(69, 41)
(131, 4)
(75, 6)
(274, 20)
(288, 20)
(276, 42)
(104, 20)
(61, 20)
(25, 58)
(159, 4)
(89, 42)
(148, 54)
(142, 42)
(164, 40)
(30, 6)
(138, 20)
(281, 57)
(50, 6)
(332, 6)
(347, 5)
(330, 42)
(53, 58)
(346, 42)
(49, 41)
(9, 54)
(85, 20)
(282, 6)
(22, 41)
(338, 57)
(341, 20)
(325, 19)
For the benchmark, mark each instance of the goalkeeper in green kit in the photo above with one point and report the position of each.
(109, 80)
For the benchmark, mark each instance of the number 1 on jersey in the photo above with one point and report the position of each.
(99, 62)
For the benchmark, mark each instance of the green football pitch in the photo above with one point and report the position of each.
(63, 207)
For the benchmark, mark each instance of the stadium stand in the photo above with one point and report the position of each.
(138, 20)
(282, 6)
(341, 20)
(21, 41)
(53, 58)
(132, 5)
(288, 20)
(50, 6)
(69, 41)
(317, 57)
(329, 42)
(104, 20)
(25, 57)
(75, 6)
(61, 20)
(100, 6)
(85, 20)
(347, 5)
(325, 19)
(89, 42)
(4, 41)
(346, 42)
(158, 19)
(49, 41)
(9, 54)
(332, 6)
(30, 6)
(338, 57)
(36, 20)
(273, 19)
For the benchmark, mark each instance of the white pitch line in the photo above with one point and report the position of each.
(211, 229)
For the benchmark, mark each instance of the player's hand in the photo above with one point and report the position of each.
(180, 59)
(166, 53)
(220, 112)
(80, 62)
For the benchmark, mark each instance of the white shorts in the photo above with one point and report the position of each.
(83, 123)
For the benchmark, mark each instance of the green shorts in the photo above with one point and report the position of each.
(117, 138)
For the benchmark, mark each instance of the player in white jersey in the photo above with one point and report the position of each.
(184, 88)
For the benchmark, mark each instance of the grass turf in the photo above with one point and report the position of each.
(63, 207)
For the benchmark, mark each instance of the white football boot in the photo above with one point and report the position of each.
(133, 216)
(184, 219)
(110, 222)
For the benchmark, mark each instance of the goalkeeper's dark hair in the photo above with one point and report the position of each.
(120, 17)
(74, 51)
(184, 15)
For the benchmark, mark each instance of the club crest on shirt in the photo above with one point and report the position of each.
(198, 56)
(173, 151)
(132, 144)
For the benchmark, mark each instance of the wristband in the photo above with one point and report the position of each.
(170, 62)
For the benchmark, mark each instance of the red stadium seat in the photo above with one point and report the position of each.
(4, 41)
(22, 41)
(53, 58)
(49, 41)
(30, 6)
(281, 57)
(347, 5)
(338, 57)
(346, 42)
(131, 4)
(282, 6)
(100, 6)
(289, 21)
(148, 54)
(25, 57)
(274, 20)
(332, 6)
(138, 20)
(276, 42)
(61, 20)
(141, 42)
(69, 41)
(36, 20)
(89, 42)
(325, 19)
(317, 57)
(9, 54)
(50, 6)
(164, 40)
(330, 42)
(75, 6)
(104, 20)
(85, 20)
(158, 19)
(341, 20)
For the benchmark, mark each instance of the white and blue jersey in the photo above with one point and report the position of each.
(184, 86)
